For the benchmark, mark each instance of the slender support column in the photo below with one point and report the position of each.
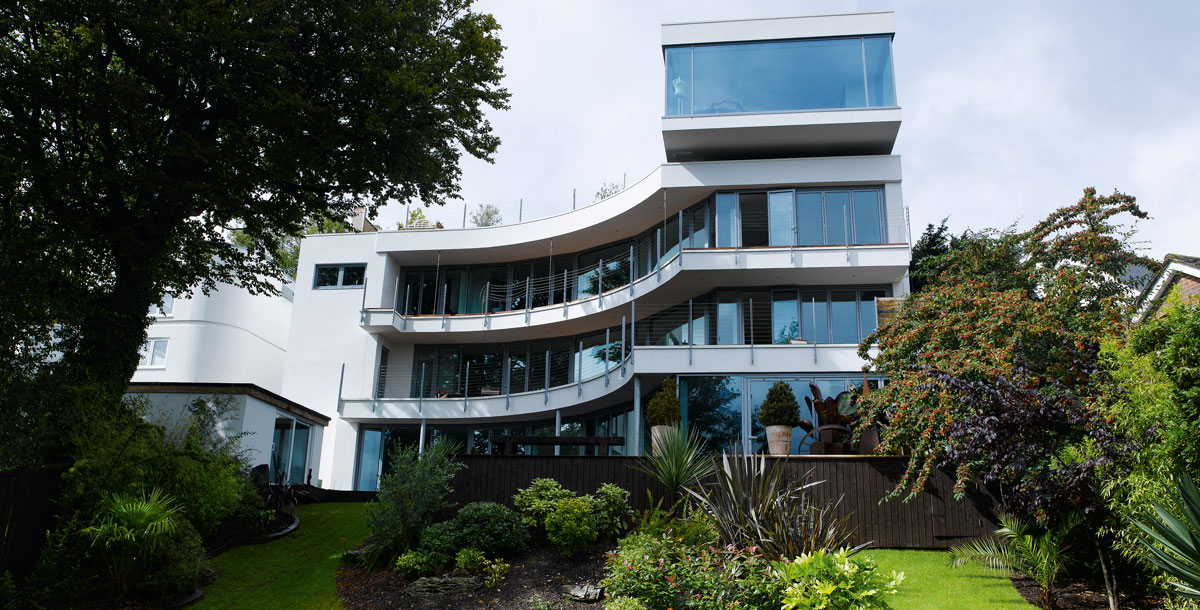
(467, 386)
(624, 346)
(751, 341)
(579, 375)
(444, 306)
(600, 284)
(520, 208)
(632, 328)
(690, 338)
(607, 351)
(565, 292)
(558, 429)
(658, 267)
(507, 380)
(680, 239)
(487, 302)
(632, 270)
(546, 385)
(421, 392)
(421, 440)
(635, 425)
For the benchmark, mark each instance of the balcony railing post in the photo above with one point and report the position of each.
(632, 329)
(624, 346)
(600, 284)
(579, 377)
(444, 287)
(632, 271)
(658, 267)
(487, 302)
(396, 295)
(421, 392)
(607, 347)
(690, 337)
(467, 386)
(546, 385)
(751, 312)
(680, 255)
(565, 271)
(407, 294)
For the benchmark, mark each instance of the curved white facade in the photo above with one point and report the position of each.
(772, 275)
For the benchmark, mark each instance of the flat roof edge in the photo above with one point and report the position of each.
(779, 28)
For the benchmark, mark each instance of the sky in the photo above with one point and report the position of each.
(1008, 109)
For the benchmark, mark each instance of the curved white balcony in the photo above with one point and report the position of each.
(615, 387)
(688, 274)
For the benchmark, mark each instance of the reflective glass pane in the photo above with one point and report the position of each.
(699, 227)
(541, 284)
(424, 370)
(814, 320)
(712, 406)
(753, 207)
(881, 88)
(281, 450)
(456, 291)
(327, 276)
(486, 371)
(447, 384)
(560, 363)
(159, 357)
(594, 356)
(297, 473)
(773, 76)
(844, 316)
(866, 308)
(867, 229)
(430, 294)
(354, 275)
(411, 295)
(810, 227)
(519, 287)
(758, 433)
(779, 218)
(168, 306)
(837, 215)
(537, 366)
(368, 460)
(801, 442)
(518, 368)
(726, 218)
(756, 318)
(785, 323)
(727, 319)
(679, 81)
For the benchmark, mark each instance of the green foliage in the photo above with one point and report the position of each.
(493, 529)
(645, 567)
(753, 505)
(780, 408)
(1046, 293)
(1152, 395)
(610, 506)
(409, 496)
(1173, 542)
(537, 501)
(536, 602)
(663, 408)
(1041, 555)
(415, 564)
(177, 565)
(486, 215)
(694, 529)
(835, 581)
(571, 525)
(606, 190)
(678, 461)
(494, 572)
(469, 562)
(128, 531)
(440, 540)
(624, 603)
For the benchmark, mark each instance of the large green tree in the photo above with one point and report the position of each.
(135, 135)
(1036, 297)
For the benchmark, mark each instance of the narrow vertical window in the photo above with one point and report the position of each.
(867, 226)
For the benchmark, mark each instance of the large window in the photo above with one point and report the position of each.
(289, 451)
(800, 218)
(814, 74)
(340, 276)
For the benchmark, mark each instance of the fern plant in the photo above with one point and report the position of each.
(1041, 556)
(1174, 542)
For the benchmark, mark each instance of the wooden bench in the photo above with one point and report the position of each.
(509, 441)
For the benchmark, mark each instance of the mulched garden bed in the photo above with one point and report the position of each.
(1082, 595)
(542, 571)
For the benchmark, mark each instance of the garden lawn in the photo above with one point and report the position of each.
(931, 582)
(296, 571)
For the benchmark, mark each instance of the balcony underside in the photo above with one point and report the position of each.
(781, 135)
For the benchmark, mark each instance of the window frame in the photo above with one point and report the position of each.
(148, 349)
(341, 276)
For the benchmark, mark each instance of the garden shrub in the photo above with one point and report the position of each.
(644, 567)
(469, 561)
(441, 540)
(409, 496)
(571, 526)
(780, 408)
(610, 505)
(493, 528)
(693, 530)
(177, 566)
(538, 500)
(494, 571)
(838, 580)
(624, 603)
(414, 564)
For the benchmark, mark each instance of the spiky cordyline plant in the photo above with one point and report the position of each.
(756, 505)
(1174, 542)
(1040, 556)
(678, 461)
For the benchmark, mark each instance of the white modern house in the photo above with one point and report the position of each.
(232, 344)
(755, 254)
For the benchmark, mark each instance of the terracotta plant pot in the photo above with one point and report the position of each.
(779, 439)
(657, 433)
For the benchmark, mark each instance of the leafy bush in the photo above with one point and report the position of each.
(128, 532)
(419, 563)
(469, 561)
(537, 501)
(624, 603)
(837, 581)
(571, 526)
(441, 540)
(644, 567)
(177, 566)
(694, 530)
(753, 505)
(780, 408)
(494, 571)
(409, 496)
(492, 528)
(1041, 555)
(663, 408)
(610, 505)
(677, 462)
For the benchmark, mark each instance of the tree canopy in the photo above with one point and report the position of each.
(135, 135)
(486, 215)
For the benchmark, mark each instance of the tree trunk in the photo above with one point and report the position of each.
(1110, 578)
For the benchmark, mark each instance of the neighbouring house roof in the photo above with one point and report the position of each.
(1151, 298)
(248, 389)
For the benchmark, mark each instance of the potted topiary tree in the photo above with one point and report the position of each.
(663, 412)
(779, 413)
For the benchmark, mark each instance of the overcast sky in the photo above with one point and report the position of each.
(1009, 109)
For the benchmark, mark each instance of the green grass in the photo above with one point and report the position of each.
(296, 571)
(932, 583)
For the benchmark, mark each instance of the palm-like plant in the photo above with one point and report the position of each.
(677, 462)
(1173, 542)
(129, 530)
(1041, 556)
(756, 505)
